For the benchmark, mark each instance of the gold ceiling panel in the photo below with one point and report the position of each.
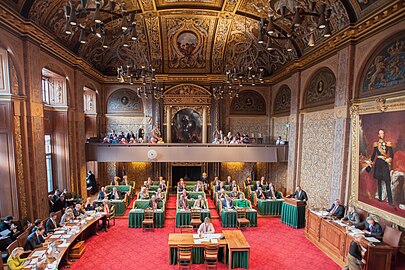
(200, 4)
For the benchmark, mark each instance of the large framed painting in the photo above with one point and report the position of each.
(378, 156)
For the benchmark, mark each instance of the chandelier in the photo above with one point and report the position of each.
(225, 90)
(302, 21)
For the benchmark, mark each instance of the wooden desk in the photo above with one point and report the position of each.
(238, 244)
(334, 241)
(176, 239)
(61, 252)
(234, 240)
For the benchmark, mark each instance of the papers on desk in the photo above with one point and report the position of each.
(5, 232)
(354, 231)
(340, 223)
(59, 232)
(321, 213)
(38, 253)
(372, 239)
(196, 236)
(212, 236)
(66, 244)
(89, 218)
(55, 236)
(214, 241)
(201, 240)
(66, 236)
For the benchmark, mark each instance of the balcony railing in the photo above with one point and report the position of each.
(176, 152)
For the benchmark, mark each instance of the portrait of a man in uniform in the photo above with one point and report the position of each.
(382, 161)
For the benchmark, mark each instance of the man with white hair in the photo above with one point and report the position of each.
(337, 210)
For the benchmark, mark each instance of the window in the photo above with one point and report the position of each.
(46, 90)
(48, 153)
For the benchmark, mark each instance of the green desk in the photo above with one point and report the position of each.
(270, 207)
(292, 214)
(153, 188)
(120, 206)
(122, 189)
(228, 217)
(136, 217)
(193, 195)
(183, 217)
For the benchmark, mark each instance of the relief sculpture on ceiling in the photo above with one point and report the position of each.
(385, 69)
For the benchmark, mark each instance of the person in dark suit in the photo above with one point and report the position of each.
(116, 195)
(35, 239)
(352, 216)
(8, 224)
(216, 181)
(141, 134)
(300, 194)
(337, 210)
(78, 210)
(233, 185)
(153, 203)
(162, 185)
(102, 194)
(228, 180)
(248, 181)
(51, 223)
(56, 195)
(382, 158)
(221, 186)
(257, 186)
(204, 180)
(186, 194)
(181, 186)
(60, 204)
(227, 203)
(91, 182)
(373, 228)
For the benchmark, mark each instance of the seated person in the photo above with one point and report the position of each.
(337, 210)
(273, 194)
(35, 239)
(108, 210)
(116, 181)
(256, 186)
(14, 262)
(40, 265)
(89, 206)
(78, 210)
(60, 204)
(228, 180)
(233, 185)
(268, 187)
(181, 186)
(279, 141)
(262, 181)
(227, 203)
(355, 259)
(183, 202)
(67, 217)
(234, 193)
(220, 187)
(124, 181)
(160, 196)
(8, 224)
(51, 224)
(102, 194)
(38, 223)
(150, 181)
(199, 203)
(144, 194)
(153, 203)
(146, 185)
(221, 194)
(116, 195)
(242, 202)
(248, 181)
(206, 227)
(216, 181)
(352, 216)
(198, 187)
(162, 185)
(372, 228)
(299, 194)
(260, 194)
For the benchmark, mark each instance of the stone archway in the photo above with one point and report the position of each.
(187, 97)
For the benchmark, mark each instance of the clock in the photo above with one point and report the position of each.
(152, 154)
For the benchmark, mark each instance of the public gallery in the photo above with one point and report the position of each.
(212, 134)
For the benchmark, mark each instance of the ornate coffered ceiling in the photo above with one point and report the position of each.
(187, 36)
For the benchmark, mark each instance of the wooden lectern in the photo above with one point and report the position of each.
(293, 213)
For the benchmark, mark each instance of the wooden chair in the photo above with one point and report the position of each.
(184, 256)
(195, 218)
(392, 237)
(111, 216)
(29, 228)
(241, 218)
(186, 229)
(12, 246)
(148, 221)
(22, 239)
(211, 256)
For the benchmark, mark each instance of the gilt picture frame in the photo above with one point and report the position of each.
(370, 117)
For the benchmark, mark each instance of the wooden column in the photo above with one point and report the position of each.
(168, 124)
(204, 127)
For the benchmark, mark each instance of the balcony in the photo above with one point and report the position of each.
(175, 152)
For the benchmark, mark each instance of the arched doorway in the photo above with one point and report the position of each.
(187, 127)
